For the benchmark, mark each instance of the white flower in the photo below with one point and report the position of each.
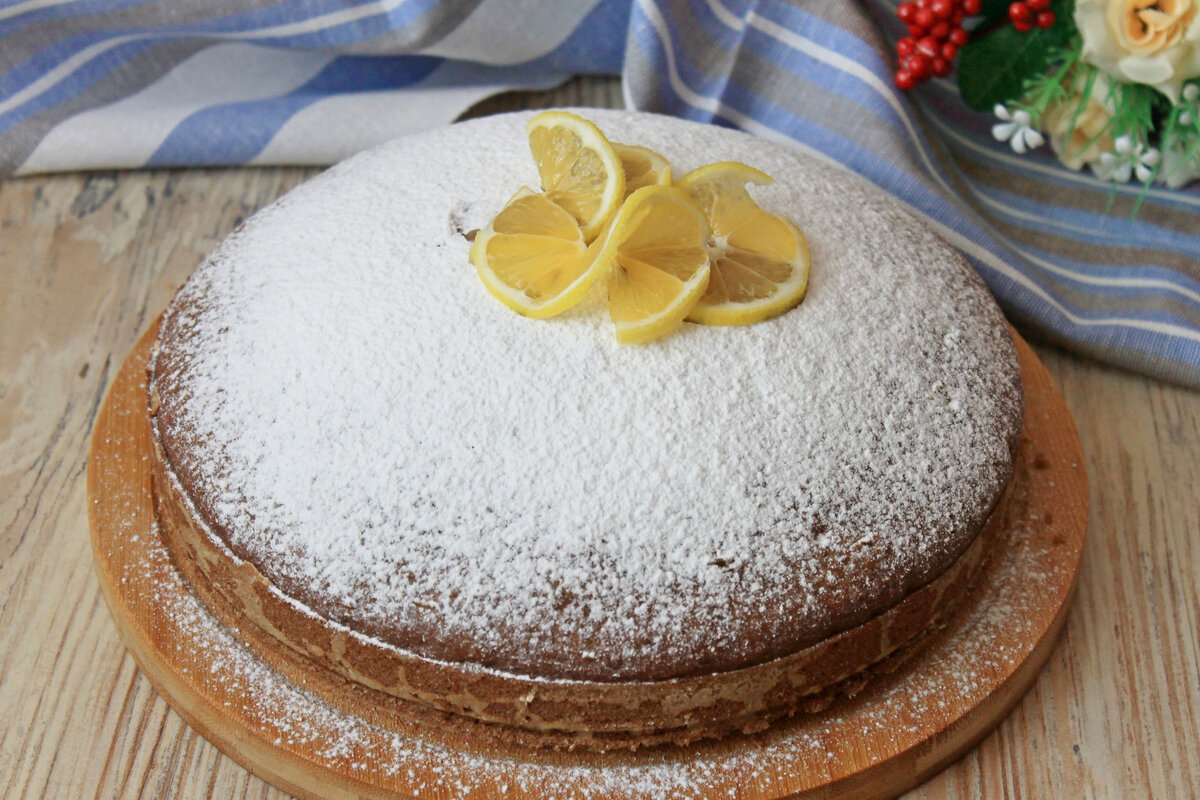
(1177, 169)
(1155, 42)
(1016, 129)
(1191, 93)
(1127, 160)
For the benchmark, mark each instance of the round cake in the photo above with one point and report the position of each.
(521, 527)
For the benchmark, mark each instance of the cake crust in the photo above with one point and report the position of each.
(465, 700)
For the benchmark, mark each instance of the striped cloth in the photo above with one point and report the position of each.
(127, 83)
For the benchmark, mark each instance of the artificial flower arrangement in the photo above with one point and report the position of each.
(1113, 84)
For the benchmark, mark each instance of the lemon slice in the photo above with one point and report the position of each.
(532, 256)
(656, 251)
(643, 167)
(759, 261)
(580, 169)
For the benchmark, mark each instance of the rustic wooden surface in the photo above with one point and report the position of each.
(87, 261)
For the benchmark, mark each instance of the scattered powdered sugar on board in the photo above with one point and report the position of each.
(398, 450)
(295, 720)
(956, 673)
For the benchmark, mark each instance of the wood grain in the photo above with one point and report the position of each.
(86, 261)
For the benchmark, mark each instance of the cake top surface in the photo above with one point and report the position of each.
(352, 413)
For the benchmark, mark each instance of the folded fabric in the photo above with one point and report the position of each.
(88, 84)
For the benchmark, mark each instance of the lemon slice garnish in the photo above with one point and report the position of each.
(579, 168)
(643, 167)
(532, 256)
(759, 261)
(656, 252)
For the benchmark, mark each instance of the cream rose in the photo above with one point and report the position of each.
(1155, 42)
(1082, 142)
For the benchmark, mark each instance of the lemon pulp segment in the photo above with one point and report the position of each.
(643, 167)
(532, 256)
(658, 263)
(579, 168)
(760, 261)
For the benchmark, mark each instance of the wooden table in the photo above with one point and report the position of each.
(88, 261)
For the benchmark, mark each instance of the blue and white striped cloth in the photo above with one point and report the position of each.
(88, 84)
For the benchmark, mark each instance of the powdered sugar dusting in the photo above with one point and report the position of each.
(397, 449)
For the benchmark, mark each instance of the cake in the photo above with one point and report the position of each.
(518, 529)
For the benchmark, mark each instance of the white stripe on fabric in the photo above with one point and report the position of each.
(1017, 276)
(963, 243)
(365, 119)
(30, 5)
(477, 33)
(709, 104)
(128, 132)
(49, 79)
(1039, 219)
(1030, 165)
(847, 66)
(1083, 277)
(998, 264)
(731, 20)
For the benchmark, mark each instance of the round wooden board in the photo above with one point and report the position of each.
(900, 730)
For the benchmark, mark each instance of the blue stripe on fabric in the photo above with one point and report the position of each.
(846, 151)
(837, 81)
(247, 22)
(829, 35)
(604, 25)
(956, 121)
(1139, 340)
(840, 148)
(1044, 167)
(925, 201)
(252, 124)
(595, 47)
(802, 65)
(76, 82)
(1089, 226)
(65, 11)
(234, 133)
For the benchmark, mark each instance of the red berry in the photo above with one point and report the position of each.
(929, 46)
(905, 80)
(923, 3)
(1024, 26)
(919, 65)
(906, 47)
(1038, 5)
(1046, 19)
(906, 12)
(942, 67)
(925, 18)
(942, 9)
(972, 7)
(916, 30)
(949, 51)
(1020, 11)
(959, 37)
(958, 17)
(941, 30)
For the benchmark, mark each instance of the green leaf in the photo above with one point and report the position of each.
(993, 68)
(993, 11)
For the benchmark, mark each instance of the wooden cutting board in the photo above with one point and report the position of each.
(265, 712)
